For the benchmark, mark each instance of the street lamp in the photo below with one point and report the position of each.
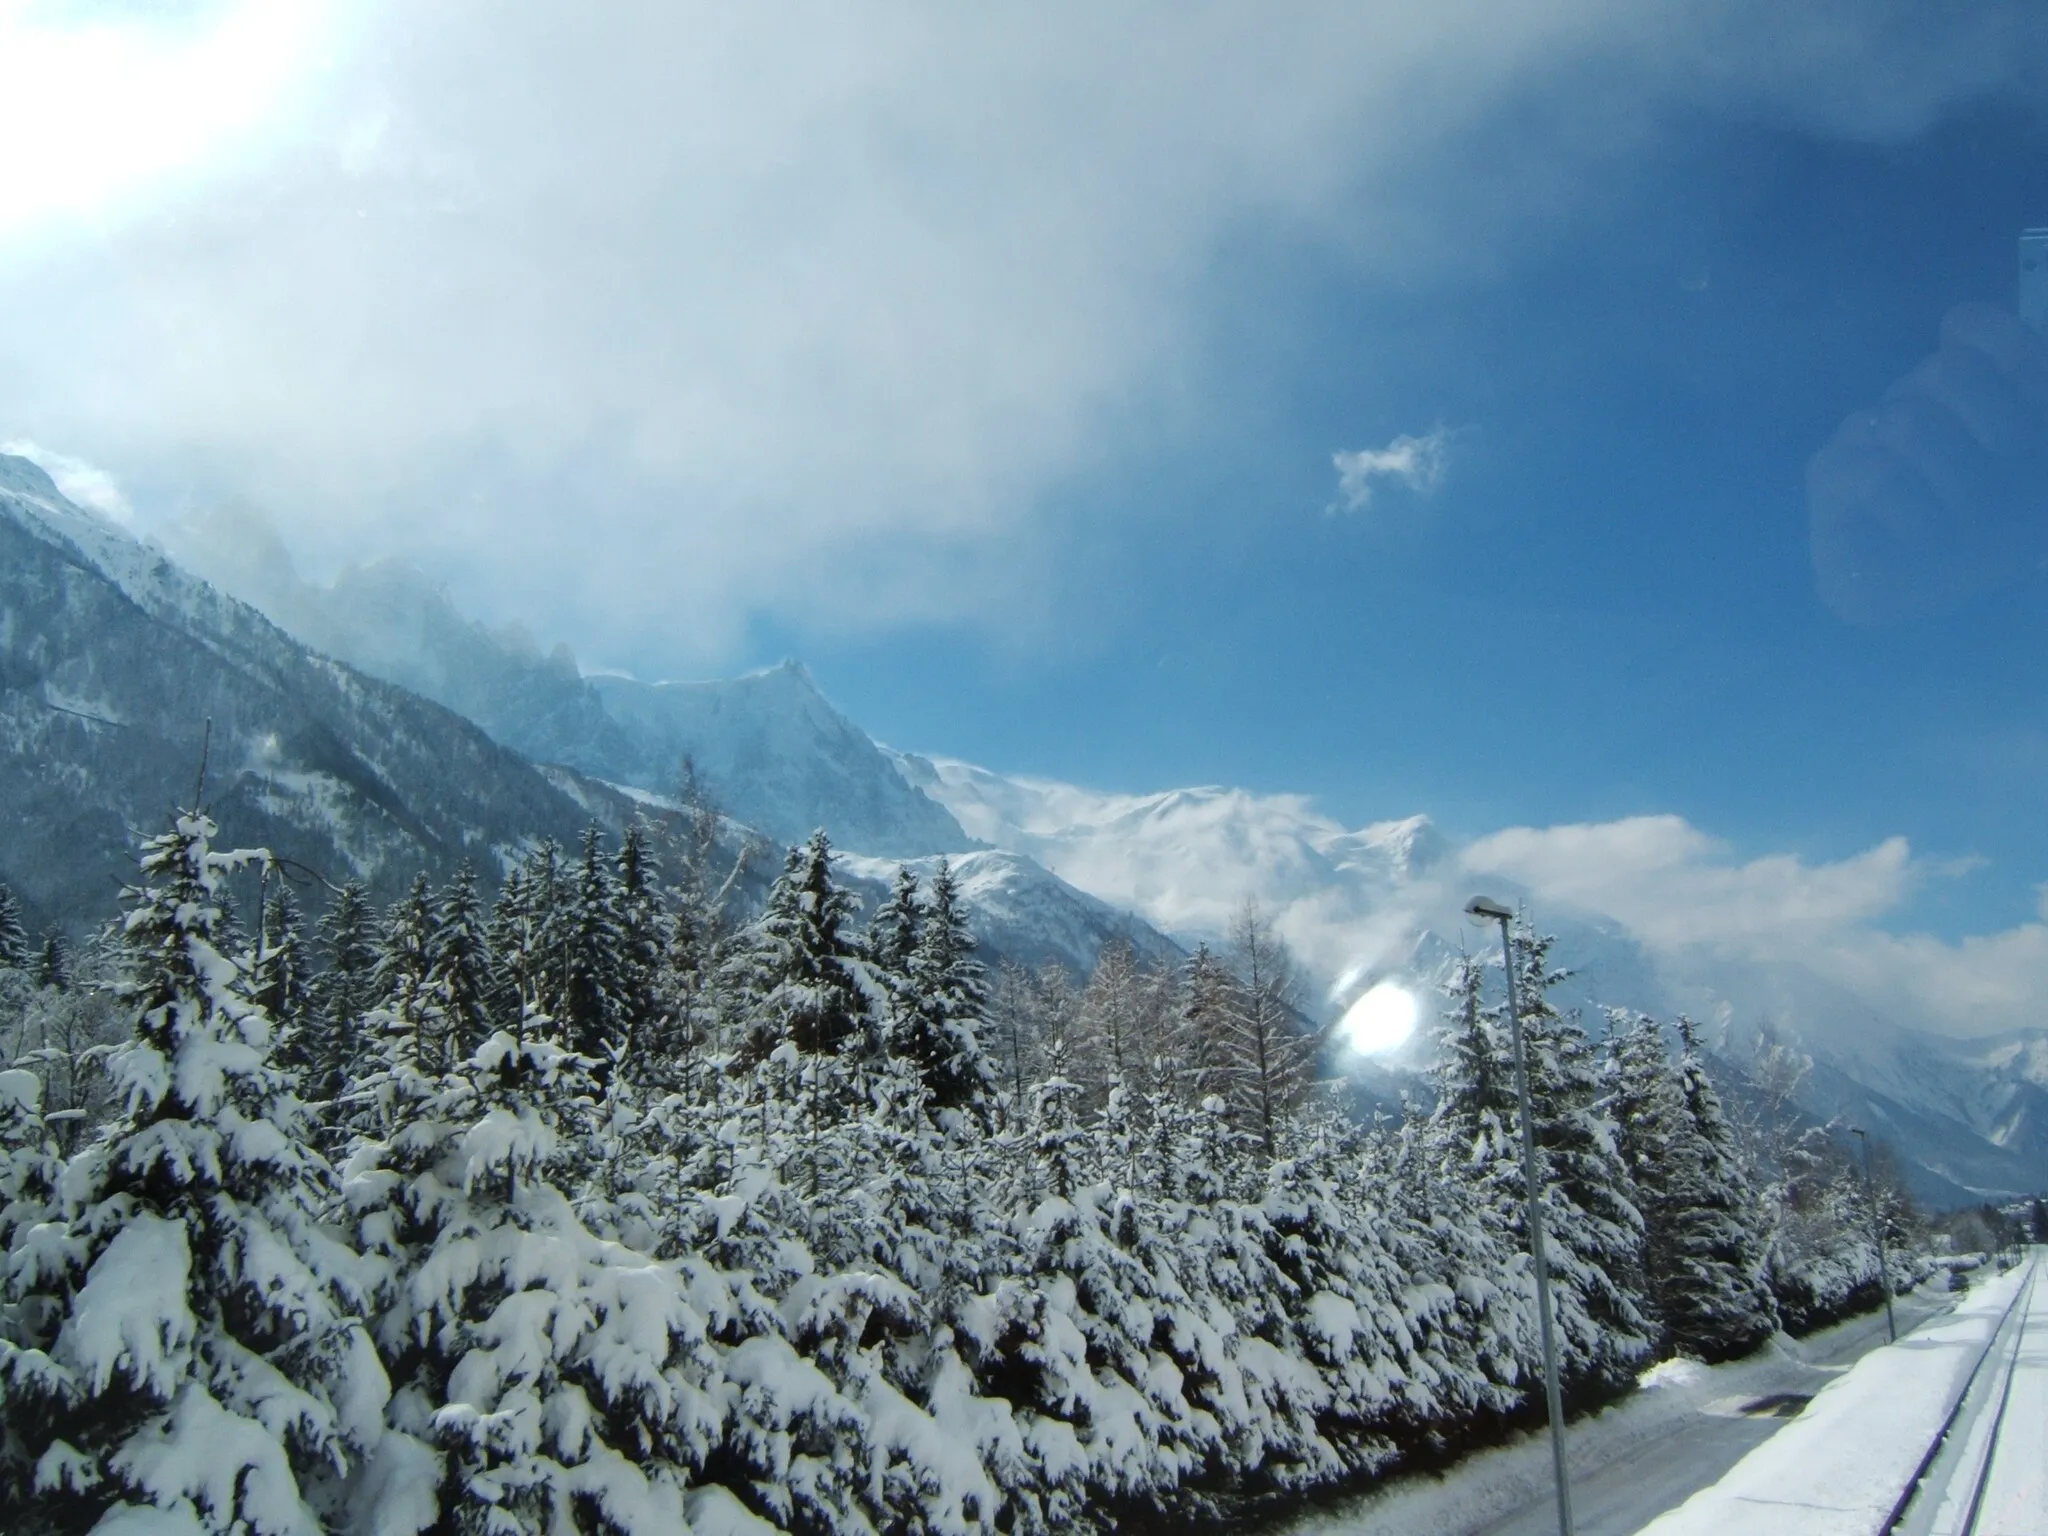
(1884, 1269)
(1484, 909)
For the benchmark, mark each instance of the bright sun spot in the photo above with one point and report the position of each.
(93, 111)
(1382, 1019)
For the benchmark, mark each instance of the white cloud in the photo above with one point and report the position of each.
(1675, 886)
(651, 317)
(1416, 462)
(1743, 927)
(99, 109)
(1806, 942)
(86, 484)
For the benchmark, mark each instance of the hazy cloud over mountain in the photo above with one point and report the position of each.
(786, 310)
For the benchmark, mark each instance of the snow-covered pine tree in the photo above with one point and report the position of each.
(1651, 1133)
(590, 1010)
(892, 934)
(949, 1005)
(888, 949)
(1454, 1240)
(14, 945)
(526, 934)
(29, 1170)
(645, 1006)
(280, 979)
(1466, 1162)
(405, 945)
(701, 917)
(793, 978)
(565, 1383)
(1475, 1072)
(1061, 1147)
(1269, 1049)
(194, 1349)
(460, 976)
(1593, 1230)
(508, 935)
(53, 962)
(1722, 1305)
(343, 992)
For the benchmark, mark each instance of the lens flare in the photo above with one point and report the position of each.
(1381, 1020)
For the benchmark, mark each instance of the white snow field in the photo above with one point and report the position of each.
(1634, 1461)
(1845, 1465)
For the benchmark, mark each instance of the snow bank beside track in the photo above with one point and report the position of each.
(1844, 1463)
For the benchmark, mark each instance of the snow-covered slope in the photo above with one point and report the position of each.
(113, 661)
(1189, 858)
(1385, 899)
(1356, 903)
(779, 757)
(769, 746)
(1021, 912)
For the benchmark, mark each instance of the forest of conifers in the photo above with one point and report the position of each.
(593, 1204)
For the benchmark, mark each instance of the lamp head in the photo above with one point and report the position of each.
(1486, 909)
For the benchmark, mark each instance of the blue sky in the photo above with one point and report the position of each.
(1607, 607)
(994, 363)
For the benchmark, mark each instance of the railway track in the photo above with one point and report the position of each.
(1949, 1494)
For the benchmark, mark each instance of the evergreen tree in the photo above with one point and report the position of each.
(342, 994)
(192, 1345)
(459, 980)
(545, 1380)
(1467, 1162)
(948, 1004)
(590, 1010)
(893, 932)
(405, 945)
(53, 962)
(527, 934)
(1728, 1309)
(1475, 1074)
(1061, 1144)
(794, 978)
(644, 1004)
(30, 1168)
(509, 936)
(701, 927)
(14, 945)
(281, 977)
(1594, 1231)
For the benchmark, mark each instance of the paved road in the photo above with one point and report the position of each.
(1623, 1494)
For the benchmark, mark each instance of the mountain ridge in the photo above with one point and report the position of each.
(1365, 903)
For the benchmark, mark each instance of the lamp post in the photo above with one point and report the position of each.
(1483, 909)
(1884, 1268)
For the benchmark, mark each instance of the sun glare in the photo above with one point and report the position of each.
(95, 112)
(1381, 1020)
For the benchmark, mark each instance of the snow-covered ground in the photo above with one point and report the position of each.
(1631, 1463)
(1845, 1464)
(2002, 1435)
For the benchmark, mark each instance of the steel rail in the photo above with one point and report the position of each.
(1912, 1490)
(2019, 1337)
